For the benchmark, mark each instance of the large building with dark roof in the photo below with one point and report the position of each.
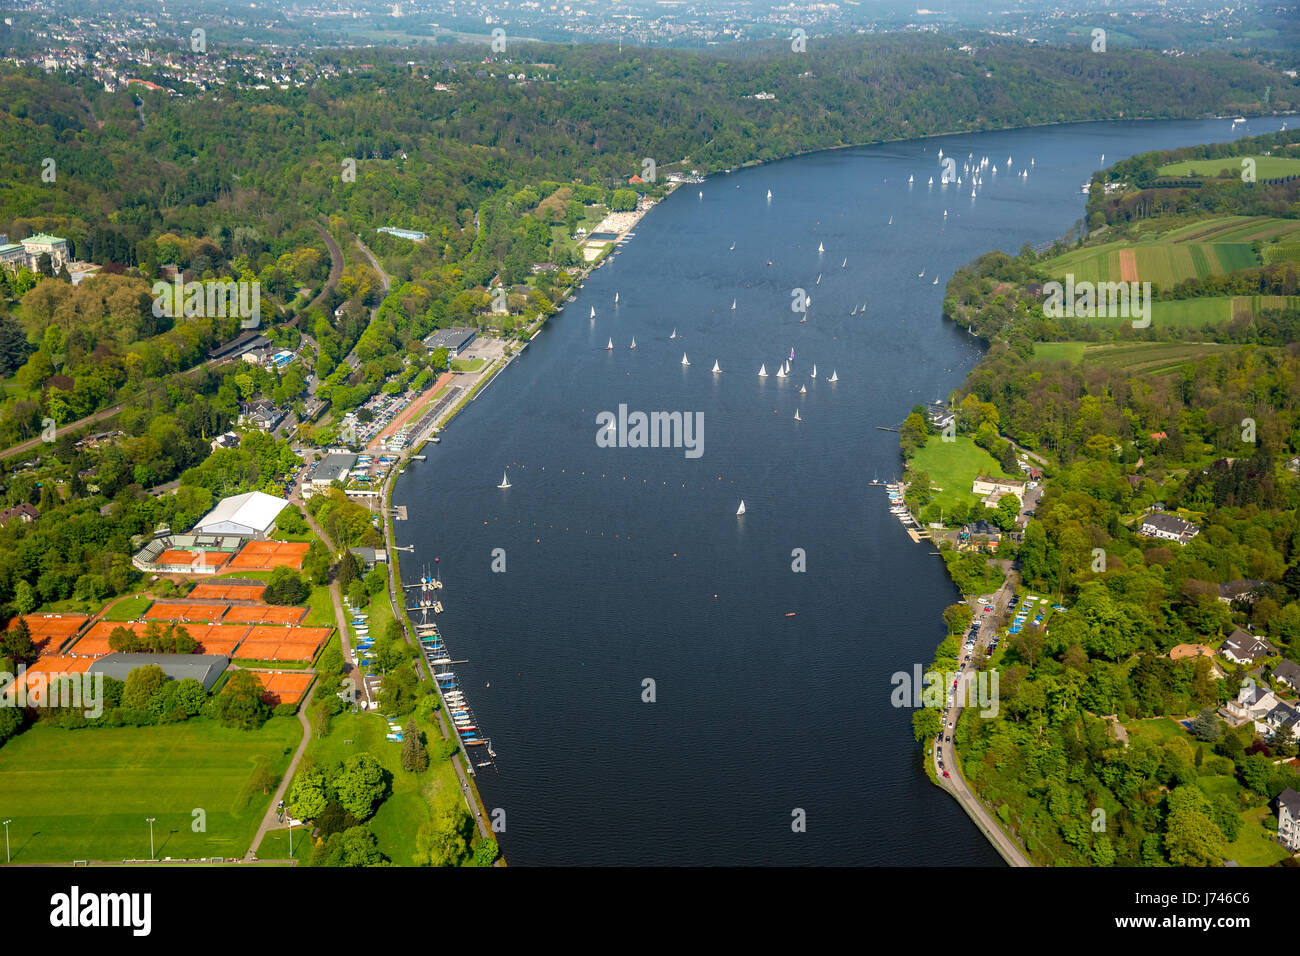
(454, 341)
(204, 668)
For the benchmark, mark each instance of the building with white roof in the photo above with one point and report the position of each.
(250, 515)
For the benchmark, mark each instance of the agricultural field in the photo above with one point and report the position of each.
(1266, 167)
(1146, 358)
(1207, 247)
(86, 794)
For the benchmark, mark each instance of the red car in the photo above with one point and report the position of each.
(945, 773)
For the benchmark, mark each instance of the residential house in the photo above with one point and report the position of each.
(1168, 527)
(992, 489)
(1246, 648)
(1288, 673)
(1252, 704)
(23, 512)
(1288, 819)
(1240, 590)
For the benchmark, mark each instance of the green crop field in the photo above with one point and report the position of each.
(1147, 358)
(1266, 167)
(86, 794)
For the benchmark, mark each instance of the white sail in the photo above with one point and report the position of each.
(733, 305)
(762, 371)
(909, 180)
(633, 345)
(820, 247)
(936, 281)
(835, 377)
(845, 262)
(674, 335)
(819, 279)
(814, 370)
(715, 366)
(769, 194)
(685, 360)
(593, 311)
(796, 415)
(611, 344)
(803, 390)
(780, 373)
(891, 220)
(616, 298)
(505, 481)
(741, 509)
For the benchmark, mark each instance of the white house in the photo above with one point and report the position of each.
(1169, 527)
(1243, 648)
(986, 487)
(1288, 819)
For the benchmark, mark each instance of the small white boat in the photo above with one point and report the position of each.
(803, 390)
(733, 248)
(741, 509)
(819, 279)
(921, 274)
(845, 262)
(674, 335)
(835, 377)
(855, 311)
(941, 153)
(891, 220)
(936, 281)
(909, 180)
(814, 370)
(733, 305)
(781, 373)
(820, 247)
(616, 298)
(701, 193)
(593, 311)
(715, 366)
(762, 371)
(633, 345)
(505, 481)
(685, 360)
(769, 194)
(610, 345)
(796, 415)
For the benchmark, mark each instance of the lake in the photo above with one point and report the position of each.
(629, 564)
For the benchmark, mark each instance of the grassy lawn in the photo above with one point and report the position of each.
(467, 365)
(1266, 167)
(85, 794)
(1157, 729)
(414, 798)
(275, 845)
(1071, 352)
(320, 608)
(1255, 844)
(129, 609)
(953, 467)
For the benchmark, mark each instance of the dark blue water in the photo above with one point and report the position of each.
(630, 563)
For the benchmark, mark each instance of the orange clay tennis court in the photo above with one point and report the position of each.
(265, 555)
(266, 643)
(263, 614)
(212, 638)
(212, 560)
(283, 688)
(48, 666)
(186, 612)
(50, 630)
(212, 591)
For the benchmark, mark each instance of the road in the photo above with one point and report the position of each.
(945, 753)
(269, 821)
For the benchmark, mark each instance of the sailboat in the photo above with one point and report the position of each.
(610, 345)
(941, 153)
(802, 390)
(796, 415)
(769, 194)
(593, 311)
(819, 279)
(781, 373)
(505, 481)
(835, 376)
(633, 345)
(909, 180)
(931, 182)
(936, 281)
(733, 305)
(701, 193)
(791, 358)
(741, 509)
(733, 248)
(685, 360)
(855, 311)
(820, 247)
(674, 335)
(715, 366)
(845, 262)
(921, 274)
(814, 371)
(762, 371)
(616, 298)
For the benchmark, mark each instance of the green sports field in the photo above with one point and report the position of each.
(1146, 358)
(86, 794)
(953, 467)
